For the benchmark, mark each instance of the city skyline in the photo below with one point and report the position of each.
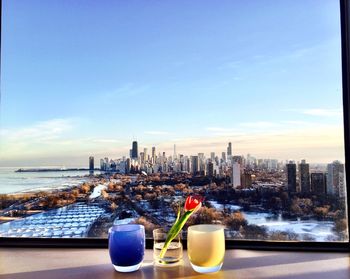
(200, 79)
(168, 151)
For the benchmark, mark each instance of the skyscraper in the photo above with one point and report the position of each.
(212, 156)
(175, 155)
(134, 150)
(145, 153)
(194, 165)
(127, 166)
(318, 185)
(153, 154)
(210, 172)
(336, 179)
(223, 155)
(201, 163)
(229, 150)
(292, 177)
(102, 165)
(91, 164)
(304, 177)
(236, 175)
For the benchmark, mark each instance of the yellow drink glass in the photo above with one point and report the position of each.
(206, 247)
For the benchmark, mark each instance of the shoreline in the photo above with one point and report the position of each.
(48, 189)
(120, 196)
(53, 169)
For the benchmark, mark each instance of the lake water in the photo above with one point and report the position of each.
(12, 182)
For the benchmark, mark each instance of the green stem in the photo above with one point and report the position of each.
(174, 231)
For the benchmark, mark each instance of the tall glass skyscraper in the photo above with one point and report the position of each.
(134, 150)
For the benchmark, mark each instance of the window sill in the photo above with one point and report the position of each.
(40, 263)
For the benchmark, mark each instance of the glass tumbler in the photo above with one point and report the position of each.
(174, 252)
(206, 247)
(126, 244)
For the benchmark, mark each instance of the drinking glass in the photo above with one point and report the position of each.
(174, 251)
(206, 247)
(126, 245)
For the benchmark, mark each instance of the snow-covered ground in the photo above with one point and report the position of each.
(319, 230)
(220, 206)
(124, 221)
(97, 191)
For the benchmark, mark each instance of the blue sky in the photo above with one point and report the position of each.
(84, 78)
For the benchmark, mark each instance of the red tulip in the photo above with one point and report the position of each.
(193, 202)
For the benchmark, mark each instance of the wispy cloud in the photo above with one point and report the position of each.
(293, 142)
(324, 112)
(46, 130)
(259, 124)
(221, 131)
(105, 140)
(127, 90)
(233, 64)
(52, 140)
(159, 133)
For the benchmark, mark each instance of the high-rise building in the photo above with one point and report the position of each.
(187, 164)
(272, 164)
(249, 160)
(223, 155)
(127, 166)
(107, 165)
(145, 154)
(102, 165)
(212, 156)
(142, 157)
(91, 164)
(134, 150)
(194, 165)
(292, 177)
(236, 175)
(304, 177)
(229, 150)
(336, 179)
(329, 186)
(210, 171)
(175, 155)
(153, 154)
(201, 162)
(113, 166)
(318, 184)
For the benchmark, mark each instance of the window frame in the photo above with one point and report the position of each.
(241, 244)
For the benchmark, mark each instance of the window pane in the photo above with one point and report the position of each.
(114, 111)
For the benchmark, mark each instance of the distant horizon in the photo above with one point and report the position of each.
(197, 74)
(168, 153)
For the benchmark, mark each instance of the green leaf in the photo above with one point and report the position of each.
(175, 229)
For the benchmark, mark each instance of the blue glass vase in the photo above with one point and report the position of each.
(126, 244)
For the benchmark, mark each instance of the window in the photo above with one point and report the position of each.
(113, 112)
